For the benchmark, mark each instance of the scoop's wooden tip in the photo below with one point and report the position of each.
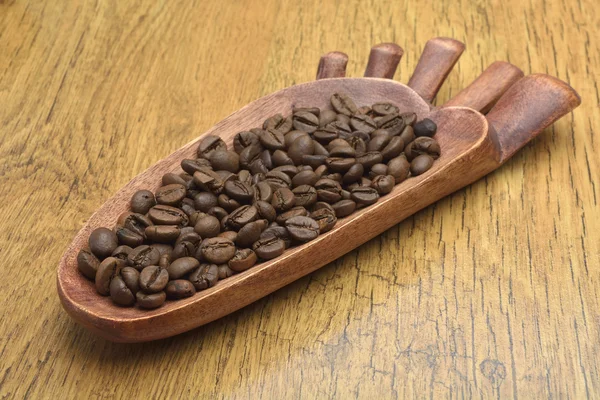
(332, 65)
(383, 60)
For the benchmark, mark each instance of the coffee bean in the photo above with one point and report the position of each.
(422, 145)
(208, 180)
(167, 215)
(378, 169)
(358, 144)
(378, 143)
(328, 190)
(384, 109)
(87, 263)
(343, 208)
(209, 144)
(340, 126)
(305, 195)
(249, 233)
(188, 235)
(291, 137)
(103, 242)
(240, 217)
(278, 179)
(217, 212)
(224, 271)
(227, 202)
(143, 256)
(364, 195)
(280, 157)
(363, 123)
(425, 127)
(180, 289)
(242, 260)
(346, 195)
(263, 191)
(369, 159)
(320, 170)
(420, 164)
(120, 293)
(398, 168)
(325, 218)
(279, 123)
(279, 232)
(393, 148)
(239, 190)
(305, 121)
(314, 161)
(181, 267)
(162, 249)
(250, 154)
(326, 134)
(127, 237)
(225, 160)
(265, 210)
(353, 174)
(409, 118)
(131, 277)
(283, 199)
(134, 222)
(289, 170)
(303, 145)
(204, 201)
(339, 164)
(184, 249)
(142, 201)
(162, 233)
(364, 110)
(107, 270)
(153, 279)
(345, 152)
(173, 179)
(269, 247)
(393, 123)
(187, 206)
(207, 227)
(383, 184)
(205, 276)
(217, 250)
(302, 229)
(192, 165)
(326, 117)
(306, 177)
(272, 139)
(243, 140)
(292, 212)
(170, 195)
(343, 104)
(150, 301)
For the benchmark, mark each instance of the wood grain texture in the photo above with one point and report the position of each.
(491, 292)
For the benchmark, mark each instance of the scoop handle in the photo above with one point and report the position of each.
(383, 60)
(438, 57)
(527, 108)
(332, 65)
(484, 92)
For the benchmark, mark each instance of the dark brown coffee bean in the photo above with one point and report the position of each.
(279, 232)
(227, 202)
(142, 201)
(170, 195)
(279, 123)
(384, 109)
(184, 249)
(293, 212)
(209, 144)
(187, 206)
(272, 139)
(127, 237)
(377, 169)
(325, 218)
(407, 135)
(181, 267)
(420, 164)
(291, 137)
(208, 180)
(358, 144)
(230, 235)
(250, 154)
(239, 190)
(339, 164)
(278, 179)
(205, 276)
(192, 165)
(378, 143)
(265, 210)
(153, 279)
(409, 118)
(328, 190)
(173, 179)
(314, 161)
(383, 184)
(398, 168)
(263, 191)
(289, 170)
(131, 277)
(204, 201)
(280, 157)
(425, 127)
(134, 222)
(225, 160)
(249, 233)
(320, 150)
(343, 104)
(422, 145)
(393, 123)
(242, 260)
(346, 151)
(326, 134)
(393, 148)
(224, 271)
(269, 247)
(305, 121)
(364, 195)
(207, 227)
(306, 177)
(361, 122)
(283, 199)
(243, 140)
(321, 204)
(107, 270)
(240, 217)
(180, 289)
(162, 249)
(162, 233)
(303, 145)
(306, 195)
(143, 256)
(119, 292)
(346, 195)
(150, 301)
(302, 229)
(217, 250)
(87, 263)
(188, 235)
(103, 242)
(369, 159)
(217, 212)
(326, 117)
(343, 208)
(353, 174)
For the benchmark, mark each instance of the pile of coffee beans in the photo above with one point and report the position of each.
(280, 185)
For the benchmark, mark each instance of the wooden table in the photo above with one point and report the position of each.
(491, 292)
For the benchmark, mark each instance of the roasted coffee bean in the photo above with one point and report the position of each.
(369, 159)
(339, 164)
(293, 212)
(341, 127)
(384, 109)
(303, 145)
(107, 270)
(420, 164)
(209, 144)
(170, 195)
(289, 170)
(358, 144)
(360, 122)
(187, 206)
(321, 204)
(345, 152)
(239, 190)
(204, 201)
(336, 176)
(378, 169)
(325, 218)
(314, 161)
(380, 132)
(207, 227)
(162, 233)
(425, 127)
(127, 237)
(265, 210)
(268, 248)
(188, 235)
(278, 179)
(328, 190)
(164, 261)
(131, 277)
(343, 104)
(383, 184)
(142, 201)
(224, 271)
(192, 165)
(398, 168)
(143, 256)
(280, 157)
(243, 140)
(241, 216)
(407, 135)
(173, 179)
(320, 150)
(103, 242)
(263, 191)
(150, 301)
(242, 260)
(422, 145)
(119, 292)
(337, 143)
(343, 208)
(225, 160)
(364, 195)
(217, 250)
(306, 177)
(321, 170)
(326, 134)
(354, 173)
(302, 229)
(198, 215)
(278, 122)
(393, 123)
(208, 180)
(227, 202)
(205, 276)
(279, 232)
(249, 233)
(305, 121)
(180, 289)
(343, 118)
(326, 117)
(245, 176)
(181, 267)
(87, 263)
(283, 199)
(217, 212)
(272, 139)
(153, 279)
(393, 148)
(291, 137)
(250, 154)
(134, 222)
(409, 118)
(305, 195)
(162, 249)
(346, 195)
(230, 235)
(184, 249)
(378, 143)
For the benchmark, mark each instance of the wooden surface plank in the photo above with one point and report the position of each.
(491, 292)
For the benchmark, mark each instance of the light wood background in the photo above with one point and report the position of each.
(491, 292)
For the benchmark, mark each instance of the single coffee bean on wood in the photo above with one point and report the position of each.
(420, 164)
(127, 237)
(425, 127)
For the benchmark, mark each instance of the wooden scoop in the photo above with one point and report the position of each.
(472, 146)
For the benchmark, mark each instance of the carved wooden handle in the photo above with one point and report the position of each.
(332, 65)
(383, 60)
(529, 106)
(436, 62)
(484, 92)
